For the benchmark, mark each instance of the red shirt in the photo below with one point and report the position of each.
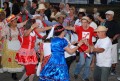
(84, 34)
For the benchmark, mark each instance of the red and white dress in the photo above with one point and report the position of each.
(27, 55)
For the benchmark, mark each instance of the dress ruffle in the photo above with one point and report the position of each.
(26, 56)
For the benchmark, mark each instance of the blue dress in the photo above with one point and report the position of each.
(56, 68)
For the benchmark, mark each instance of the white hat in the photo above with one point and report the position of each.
(110, 12)
(82, 10)
(101, 28)
(41, 6)
(59, 14)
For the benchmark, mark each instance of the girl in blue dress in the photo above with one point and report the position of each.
(56, 68)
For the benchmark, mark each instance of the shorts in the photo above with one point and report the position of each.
(114, 54)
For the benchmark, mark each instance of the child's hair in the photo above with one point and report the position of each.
(58, 30)
(29, 23)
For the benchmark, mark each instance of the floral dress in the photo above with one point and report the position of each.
(11, 46)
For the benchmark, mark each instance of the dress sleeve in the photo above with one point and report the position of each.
(65, 43)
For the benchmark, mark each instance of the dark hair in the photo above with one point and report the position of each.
(56, 8)
(82, 13)
(6, 4)
(29, 23)
(58, 30)
(91, 17)
(35, 1)
(102, 15)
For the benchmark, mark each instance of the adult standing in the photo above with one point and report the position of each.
(103, 55)
(113, 33)
(2, 26)
(84, 32)
(11, 46)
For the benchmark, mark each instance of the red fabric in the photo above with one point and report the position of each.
(46, 59)
(84, 34)
(20, 38)
(25, 58)
(27, 42)
(40, 36)
(30, 69)
(44, 24)
(20, 19)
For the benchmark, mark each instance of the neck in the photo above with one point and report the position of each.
(85, 28)
(103, 37)
(13, 27)
(110, 19)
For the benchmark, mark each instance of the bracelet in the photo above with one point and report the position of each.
(32, 28)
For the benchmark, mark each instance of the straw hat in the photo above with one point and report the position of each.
(101, 28)
(85, 18)
(59, 15)
(10, 18)
(82, 10)
(41, 6)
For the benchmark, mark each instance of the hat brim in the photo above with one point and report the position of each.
(40, 9)
(59, 16)
(10, 20)
(101, 30)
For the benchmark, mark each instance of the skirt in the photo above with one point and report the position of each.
(8, 60)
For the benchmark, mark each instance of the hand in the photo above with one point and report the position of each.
(26, 11)
(35, 25)
(91, 48)
(88, 50)
(86, 42)
(80, 43)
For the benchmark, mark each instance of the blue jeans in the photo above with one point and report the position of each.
(83, 61)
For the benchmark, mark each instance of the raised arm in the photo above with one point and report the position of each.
(43, 29)
(70, 28)
(27, 32)
(71, 51)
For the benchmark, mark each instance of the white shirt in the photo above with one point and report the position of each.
(78, 22)
(94, 26)
(71, 46)
(104, 59)
(47, 49)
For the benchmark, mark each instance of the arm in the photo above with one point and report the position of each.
(21, 24)
(43, 29)
(71, 51)
(98, 50)
(41, 52)
(100, 19)
(70, 28)
(27, 32)
(115, 37)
